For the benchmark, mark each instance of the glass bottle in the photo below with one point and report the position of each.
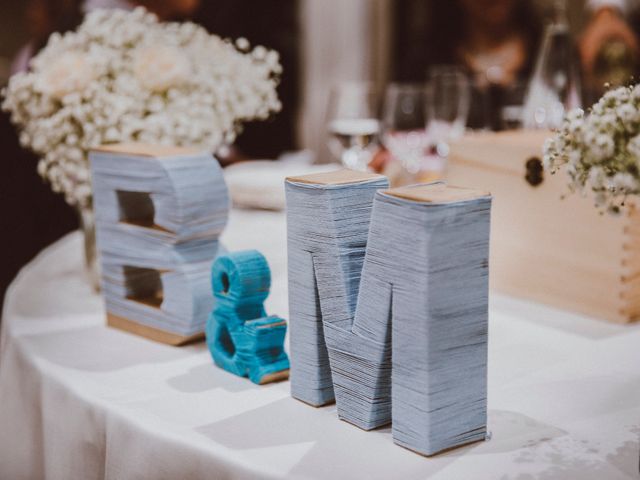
(554, 87)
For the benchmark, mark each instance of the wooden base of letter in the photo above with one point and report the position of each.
(155, 334)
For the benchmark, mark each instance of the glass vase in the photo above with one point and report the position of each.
(91, 264)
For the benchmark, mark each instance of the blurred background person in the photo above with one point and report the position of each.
(494, 41)
(609, 48)
(493, 44)
(497, 43)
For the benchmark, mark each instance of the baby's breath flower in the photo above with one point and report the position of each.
(624, 182)
(601, 151)
(126, 77)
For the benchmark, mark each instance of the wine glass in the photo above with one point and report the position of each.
(352, 124)
(449, 96)
(404, 123)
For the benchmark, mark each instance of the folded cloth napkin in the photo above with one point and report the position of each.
(259, 184)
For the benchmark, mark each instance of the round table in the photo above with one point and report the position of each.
(79, 400)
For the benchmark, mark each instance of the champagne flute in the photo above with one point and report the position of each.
(352, 124)
(449, 97)
(404, 120)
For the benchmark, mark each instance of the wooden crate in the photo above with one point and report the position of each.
(562, 252)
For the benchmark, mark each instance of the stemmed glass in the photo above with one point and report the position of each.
(352, 124)
(404, 121)
(448, 99)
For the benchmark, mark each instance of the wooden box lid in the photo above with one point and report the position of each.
(504, 151)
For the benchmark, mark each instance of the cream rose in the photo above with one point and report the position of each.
(69, 73)
(160, 68)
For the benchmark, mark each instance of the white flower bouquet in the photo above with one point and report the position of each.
(126, 77)
(601, 151)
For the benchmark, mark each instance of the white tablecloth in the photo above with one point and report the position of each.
(82, 401)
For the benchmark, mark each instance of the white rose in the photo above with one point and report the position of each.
(71, 72)
(160, 68)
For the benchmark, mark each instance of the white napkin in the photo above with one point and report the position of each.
(259, 184)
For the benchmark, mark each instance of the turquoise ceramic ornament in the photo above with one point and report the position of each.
(241, 337)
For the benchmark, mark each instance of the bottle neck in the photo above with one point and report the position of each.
(560, 17)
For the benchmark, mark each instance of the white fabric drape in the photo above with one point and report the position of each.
(82, 401)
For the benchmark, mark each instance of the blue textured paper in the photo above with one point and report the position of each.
(388, 300)
(158, 220)
(328, 227)
(242, 339)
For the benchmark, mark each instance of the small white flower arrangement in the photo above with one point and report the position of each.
(126, 77)
(601, 151)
